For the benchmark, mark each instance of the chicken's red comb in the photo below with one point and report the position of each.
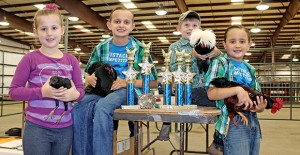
(277, 105)
(50, 7)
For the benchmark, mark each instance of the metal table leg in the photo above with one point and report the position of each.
(181, 138)
(136, 137)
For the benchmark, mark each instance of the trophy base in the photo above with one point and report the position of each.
(166, 107)
(177, 107)
(186, 107)
(191, 106)
(131, 107)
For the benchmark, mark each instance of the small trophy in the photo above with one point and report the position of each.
(179, 79)
(167, 81)
(130, 76)
(188, 79)
(146, 68)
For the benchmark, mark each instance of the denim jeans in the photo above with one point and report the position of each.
(93, 123)
(39, 140)
(241, 139)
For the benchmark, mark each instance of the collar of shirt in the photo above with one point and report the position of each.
(184, 41)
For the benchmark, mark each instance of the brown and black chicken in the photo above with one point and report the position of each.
(231, 102)
(105, 74)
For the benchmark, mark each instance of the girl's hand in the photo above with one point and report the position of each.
(68, 94)
(119, 83)
(260, 105)
(244, 99)
(47, 90)
(91, 79)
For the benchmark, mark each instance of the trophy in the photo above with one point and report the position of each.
(179, 79)
(130, 76)
(146, 68)
(167, 79)
(188, 79)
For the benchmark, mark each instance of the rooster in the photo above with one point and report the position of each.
(231, 102)
(203, 42)
(105, 74)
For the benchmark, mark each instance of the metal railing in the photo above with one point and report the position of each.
(281, 80)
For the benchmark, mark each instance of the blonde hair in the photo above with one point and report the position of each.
(46, 12)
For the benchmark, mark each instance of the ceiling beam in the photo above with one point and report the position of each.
(289, 14)
(80, 10)
(16, 22)
(181, 5)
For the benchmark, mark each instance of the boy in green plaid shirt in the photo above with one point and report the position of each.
(93, 116)
(234, 139)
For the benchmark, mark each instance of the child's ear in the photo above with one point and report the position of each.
(63, 29)
(133, 26)
(178, 27)
(250, 43)
(35, 31)
(108, 24)
(224, 44)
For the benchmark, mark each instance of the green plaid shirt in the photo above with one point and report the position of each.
(101, 53)
(222, 67)
(184, 44)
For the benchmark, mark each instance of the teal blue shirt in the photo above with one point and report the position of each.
(102, 53)
(221, 66)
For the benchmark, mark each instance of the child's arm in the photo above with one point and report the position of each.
(222, 93)
(139, 83)
(18, 89)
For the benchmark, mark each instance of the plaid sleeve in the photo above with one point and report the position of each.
(173, 61)
(216, 69)
(93, 58)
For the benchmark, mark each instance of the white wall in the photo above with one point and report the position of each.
(10, 55)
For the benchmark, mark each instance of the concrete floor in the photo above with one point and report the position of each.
(279, 136)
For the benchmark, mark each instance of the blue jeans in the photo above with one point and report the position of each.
(93, 123)
(39, 140)
(241, 139)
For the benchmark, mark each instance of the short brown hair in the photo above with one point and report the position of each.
(237, 27)
(120, 8)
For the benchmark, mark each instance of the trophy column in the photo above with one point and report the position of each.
(146, 68)
(179, 79)
(188, 79)
(130, 76)
(167, 79)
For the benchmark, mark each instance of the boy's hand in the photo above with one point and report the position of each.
(91, 80)
(260, 105)
(244, 99)
(119, 83)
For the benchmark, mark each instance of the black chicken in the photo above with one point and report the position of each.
(203, 42)
(231, 102)
(57, 82)
(105, 74)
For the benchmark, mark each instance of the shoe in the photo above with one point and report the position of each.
(213, 150)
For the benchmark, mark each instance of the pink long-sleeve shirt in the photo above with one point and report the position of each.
(32, 72)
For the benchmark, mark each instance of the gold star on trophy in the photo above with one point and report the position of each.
(188, 78)
(146, 65)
